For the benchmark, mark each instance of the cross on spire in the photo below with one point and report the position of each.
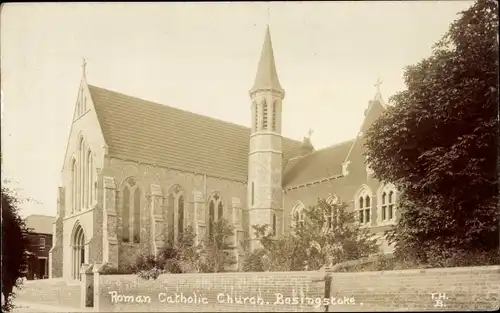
(268, 14)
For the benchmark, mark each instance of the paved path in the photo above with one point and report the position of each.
(35, 307)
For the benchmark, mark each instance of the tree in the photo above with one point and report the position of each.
(329, 234)
(438, 142)
(215, 253)
(15, 245)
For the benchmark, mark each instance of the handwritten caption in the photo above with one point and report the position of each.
(227, 298)
(439, 298)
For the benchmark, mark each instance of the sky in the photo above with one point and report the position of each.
(200, 57)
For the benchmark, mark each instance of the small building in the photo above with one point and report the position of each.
(41, 242)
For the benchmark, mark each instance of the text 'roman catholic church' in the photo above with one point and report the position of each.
(131, 182)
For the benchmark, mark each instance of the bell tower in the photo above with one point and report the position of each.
(265, 153)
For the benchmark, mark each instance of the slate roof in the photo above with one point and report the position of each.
(152, 133)
(40, 224)
(267, 76)
(318, 165)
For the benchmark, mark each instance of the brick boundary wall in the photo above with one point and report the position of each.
(460, 288)
(455, 289)
(209, 292)
(50, 292)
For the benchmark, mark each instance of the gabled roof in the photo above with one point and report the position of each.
(375, 108)
(316, 166)
(40, 224)
(156, 134)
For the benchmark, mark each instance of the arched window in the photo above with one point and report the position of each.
(253, 193)
(255, 109)
(81, 175)
(126, 215)
(220, 211)
(363, 205)
(74, 186)
(90, 179)
(387, 201)
(137, 216)
(274, 116)
(180, 220)
(333, 215)
(211, 218)
(264, 115)
(298, 215)
(274, 224)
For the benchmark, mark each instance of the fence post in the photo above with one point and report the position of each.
(328, 286)
(96, 270)
(87, 286)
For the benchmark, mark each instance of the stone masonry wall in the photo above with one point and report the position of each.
(95, 245)
(165, 181)
(57, 250)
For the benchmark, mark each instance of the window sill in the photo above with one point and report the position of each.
(386, 223)
(128, 243)
(365, 225)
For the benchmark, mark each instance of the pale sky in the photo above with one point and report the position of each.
(200, 57)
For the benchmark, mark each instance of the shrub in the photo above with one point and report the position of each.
(108, 269)
(252, 261)
(150, 274)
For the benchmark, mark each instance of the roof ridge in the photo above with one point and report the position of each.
(178, 109)
(335, 145)
(323, 149)
(43, 215)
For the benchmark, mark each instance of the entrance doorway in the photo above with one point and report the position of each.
(42, 268)
(78, 251)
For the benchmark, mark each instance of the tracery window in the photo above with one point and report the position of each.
(387, 203)
(364, 205)
(298, 215)
(180, 218)
(131, 212)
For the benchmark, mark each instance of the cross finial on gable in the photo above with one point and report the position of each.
(378, 83)
(84, 66)
(310, 132)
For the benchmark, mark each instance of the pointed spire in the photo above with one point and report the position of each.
(267, 76)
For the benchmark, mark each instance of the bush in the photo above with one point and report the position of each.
(459, 257)
(439, 259)
(252, 261)
(108, 269)
(150, 274)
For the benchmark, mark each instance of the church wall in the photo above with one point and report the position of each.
(345, 188)
(84, 126)
(57, 251)
(95, 245)
(86, 220)
(188, 184)
(87, 127)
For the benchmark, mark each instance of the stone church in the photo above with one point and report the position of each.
(136, 173)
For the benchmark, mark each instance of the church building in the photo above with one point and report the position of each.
(137, 173)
